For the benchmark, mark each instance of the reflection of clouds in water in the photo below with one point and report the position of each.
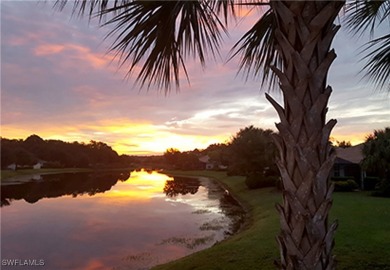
(198, 201)
(117, 228)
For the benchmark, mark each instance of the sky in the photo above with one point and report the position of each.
(58, 81)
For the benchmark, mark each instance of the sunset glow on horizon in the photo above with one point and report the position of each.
(149, 140)
(59, 82)
(143, 139)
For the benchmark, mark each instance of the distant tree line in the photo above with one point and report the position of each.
(250, 152)
(56, 153)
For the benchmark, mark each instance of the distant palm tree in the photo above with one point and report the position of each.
(289, 45)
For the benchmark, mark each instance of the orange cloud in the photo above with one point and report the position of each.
(18, 40)
(48, 49)
(75, 55)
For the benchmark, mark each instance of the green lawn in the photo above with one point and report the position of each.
(363, 235)
(362, 239)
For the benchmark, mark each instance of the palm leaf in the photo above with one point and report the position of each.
(378, 66)
(155, 37)
(364, 15)
(94, 8)
(258, 50)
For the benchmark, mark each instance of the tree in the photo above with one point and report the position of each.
(24, 157)
(218, 154)
(291, 41)
(376, 151)
(182, 160)
(172, 156)
(8, 153)
(252, 151)
(343, 144)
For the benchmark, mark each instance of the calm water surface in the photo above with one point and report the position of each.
(112, 220)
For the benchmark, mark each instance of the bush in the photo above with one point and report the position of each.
(370, 183)
(234, 170)
(382, 189)
(344, 186)
(257, 180)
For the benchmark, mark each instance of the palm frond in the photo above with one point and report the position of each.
(258, 50)
(224, 7)
(94, 8)
(155, 37)
(364, 15)
(378, 66)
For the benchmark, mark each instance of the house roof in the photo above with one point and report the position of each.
(204, 159)
(342, 161)
(353, 154)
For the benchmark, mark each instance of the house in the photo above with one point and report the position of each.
(38, 166)
(205, 160)
(348, 163)
(211, 165)
(12, 167)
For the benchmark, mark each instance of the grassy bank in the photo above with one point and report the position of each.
(362, 239)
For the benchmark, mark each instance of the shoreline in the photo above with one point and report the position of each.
(21, 176)
(248, 247)
(248, 219)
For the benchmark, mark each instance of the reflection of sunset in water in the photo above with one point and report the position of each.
(112, 220)
(140, 186)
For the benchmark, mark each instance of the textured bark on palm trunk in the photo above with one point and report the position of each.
(304, 35)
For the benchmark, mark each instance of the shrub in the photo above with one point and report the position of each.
(348, 185)
(235, 170)
(370, 183)
(258, 180)
(382, 189)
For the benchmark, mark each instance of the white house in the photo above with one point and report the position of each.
(12, 167)
(38, 166)
(206, 161)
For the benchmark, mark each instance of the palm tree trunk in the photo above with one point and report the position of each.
(304, 35)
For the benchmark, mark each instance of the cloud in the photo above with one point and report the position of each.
(48, 49)
(73, 56)
(59, 82)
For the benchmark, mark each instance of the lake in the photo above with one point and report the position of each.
(115, 220)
